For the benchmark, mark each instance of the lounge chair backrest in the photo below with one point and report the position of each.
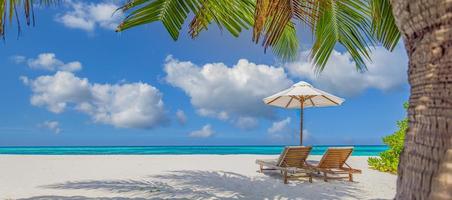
(294, 156)
(335, 157)
(281, 156)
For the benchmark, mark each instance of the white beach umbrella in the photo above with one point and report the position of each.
(302, 95)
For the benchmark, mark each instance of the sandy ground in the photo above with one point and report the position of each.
(174, 177)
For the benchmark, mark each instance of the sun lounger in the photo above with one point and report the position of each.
(291, 163)
(334, 162)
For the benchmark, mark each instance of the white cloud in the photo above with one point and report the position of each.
(205, 131)
(131, 105)
(181, 117)
(89, 16)
(53, 126)
(55, 92)
(48, 61)
(387, 72)
(227, 93)
(71, 67)
(279, 126)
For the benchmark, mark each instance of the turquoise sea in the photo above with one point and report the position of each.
(359, 150)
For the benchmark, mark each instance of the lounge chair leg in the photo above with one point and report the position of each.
(285, 177)
(350, 177)
(325, 177)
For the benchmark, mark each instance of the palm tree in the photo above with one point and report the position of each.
(424, 169)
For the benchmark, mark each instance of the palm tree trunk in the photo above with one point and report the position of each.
(425, 168)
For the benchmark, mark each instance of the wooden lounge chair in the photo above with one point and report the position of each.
(291, 163)
(334, 162)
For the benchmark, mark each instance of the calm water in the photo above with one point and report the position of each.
(359, 150)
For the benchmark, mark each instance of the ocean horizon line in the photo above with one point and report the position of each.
(363, 150)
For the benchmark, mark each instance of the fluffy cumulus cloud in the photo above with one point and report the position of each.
(279, 126)
(205, 131)
(53, 126)
(48, 61)
(89, 16)
(228, 93)
(386, 72)
(131, 105)
(57, 91)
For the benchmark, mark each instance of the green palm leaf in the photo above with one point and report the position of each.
(384, 27)
(219, 11)
(286, 47)
(344, 22)
(172, 13)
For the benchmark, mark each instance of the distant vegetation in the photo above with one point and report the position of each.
(389, 159)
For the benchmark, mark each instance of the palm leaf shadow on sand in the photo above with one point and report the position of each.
(192, 184)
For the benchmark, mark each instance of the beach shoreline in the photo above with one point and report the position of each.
(174, 177)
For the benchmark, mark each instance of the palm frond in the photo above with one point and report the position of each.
(271, 18)
(234, 15)
(273, 23)
(286, 47)
(172, 13)
(384, 27)
(306, 11)
(346, 22)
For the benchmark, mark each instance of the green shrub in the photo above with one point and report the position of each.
(389, 159)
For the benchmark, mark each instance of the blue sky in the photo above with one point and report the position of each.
(72, 80)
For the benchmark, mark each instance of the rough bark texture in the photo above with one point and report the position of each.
(425, 169)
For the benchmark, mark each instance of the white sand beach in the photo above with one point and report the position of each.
(174, 177)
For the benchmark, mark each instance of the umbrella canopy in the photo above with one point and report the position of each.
(302, 95)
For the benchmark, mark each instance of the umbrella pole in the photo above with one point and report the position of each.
(301, 121)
